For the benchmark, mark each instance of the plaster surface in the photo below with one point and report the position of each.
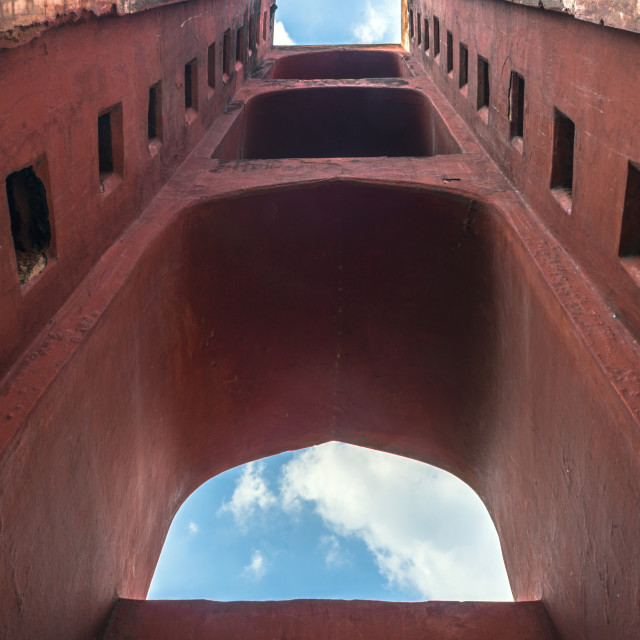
(321, 619)
(210, 312)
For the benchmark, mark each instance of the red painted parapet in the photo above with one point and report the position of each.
(327, 619)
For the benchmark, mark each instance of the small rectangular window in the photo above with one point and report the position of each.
(110, 148)
(449, 52)
(226, 55)
(211, 65)
(436, 37)
(463, 71)
(191, 85)
(239, 46)
(564, 132)
(30, 227)
(154, 112)
(426, 34)
(630, 231)
(419, 29)
(411, 34)
(252, 35)
(483, 83)
(516, 105)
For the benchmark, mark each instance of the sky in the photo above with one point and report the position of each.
(332, 521)
(337, 22)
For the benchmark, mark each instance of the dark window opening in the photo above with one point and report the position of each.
(463, 75)
(252, 35)
(411, 34)
(436, 37)
(419, 29)
(426, 34)
(483, 83)
(154, 113)
(449, 52)
(105, 143)
(110, 148)
(191, 85)
(211, 65)
(239, 45)
(630, 232)
(516, 105)
(30, 228)
(564, 132)
(226, 53)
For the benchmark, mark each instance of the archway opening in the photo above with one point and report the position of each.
(332, 521)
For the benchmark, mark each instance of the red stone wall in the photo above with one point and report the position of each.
(54, 89)
(589, 73)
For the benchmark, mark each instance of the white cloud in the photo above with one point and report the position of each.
(280, 36)
(334, 554)
(193, 528)
(381, 23)
(427, 530)
(251, 493)
(256, 568)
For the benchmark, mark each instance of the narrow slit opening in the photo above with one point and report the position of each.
(154, 112)
(211, 65)
(226, 55)
(562, 163)
(463, 72)
(516, 105)
(191, 85)
(483, 91)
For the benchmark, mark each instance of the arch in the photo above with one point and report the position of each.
(413, 320)
(333, 521)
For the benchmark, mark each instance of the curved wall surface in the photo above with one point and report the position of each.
(411, 320)
(339, 64)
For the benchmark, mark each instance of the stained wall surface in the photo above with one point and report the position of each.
(60, 84)
(569, 67)
(202, 312)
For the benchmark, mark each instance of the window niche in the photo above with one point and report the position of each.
(516, 109)
(483, 91)
(561, 184)
(436, 37)
(110, 149)
(463, 70)
(419, 25)
(630, 231)
(211, 66)
(426, 34)
(226, 55)
(252, 35)
(191, 89)
(154, 113)
(449, 52)
(239, 47)
(30, 223)
(411, 34)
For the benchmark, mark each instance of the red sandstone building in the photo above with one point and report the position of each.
(212, 251)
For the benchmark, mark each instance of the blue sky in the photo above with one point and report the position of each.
(337, 22)
(333, 521)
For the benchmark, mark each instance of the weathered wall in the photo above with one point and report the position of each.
(55, 87)
(336, 619)
(589, 73)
